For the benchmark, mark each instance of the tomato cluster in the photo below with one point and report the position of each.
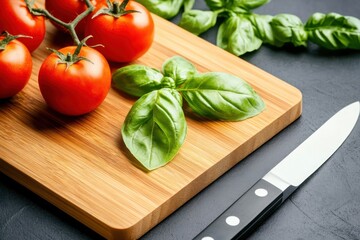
(75, 79)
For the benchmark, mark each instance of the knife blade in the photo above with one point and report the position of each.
(276, 186)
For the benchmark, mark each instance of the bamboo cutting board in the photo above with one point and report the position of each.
(81, 165)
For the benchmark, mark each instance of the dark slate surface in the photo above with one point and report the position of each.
(327, 206)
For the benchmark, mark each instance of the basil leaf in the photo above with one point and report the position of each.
(241, 6)
(155, 128)
(216, 4)
(137, 80)
(164, 8)
(263, 30)
(289, 28)
(236, 35)
(188, 5)
(221, 96)
(197, 21)
(334, 31)
(178, 69)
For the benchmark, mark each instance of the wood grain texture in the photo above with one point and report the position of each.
(82, 166)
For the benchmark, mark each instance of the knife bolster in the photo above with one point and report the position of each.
(284, 186)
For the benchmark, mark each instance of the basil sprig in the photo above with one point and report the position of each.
(334, 31)
(155, 128)
(243, 31)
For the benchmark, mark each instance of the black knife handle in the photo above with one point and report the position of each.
(245, 213)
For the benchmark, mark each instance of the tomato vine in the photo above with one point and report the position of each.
(70, 26)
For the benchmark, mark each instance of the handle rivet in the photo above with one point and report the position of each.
(207, 238)
(260, 192)
(232, 220)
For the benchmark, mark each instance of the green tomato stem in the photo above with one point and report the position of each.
(69, 26)
(115, 9)
(8, 38)
(71, 58)
(68, 57)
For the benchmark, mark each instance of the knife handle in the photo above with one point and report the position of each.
(245, 213)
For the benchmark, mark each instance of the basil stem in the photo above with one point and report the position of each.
(155, 128)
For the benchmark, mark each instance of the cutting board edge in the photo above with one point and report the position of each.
(48, 195)
(155, 217)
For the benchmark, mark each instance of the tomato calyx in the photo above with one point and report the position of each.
(71, 58)
(115, 9)
(8, 38)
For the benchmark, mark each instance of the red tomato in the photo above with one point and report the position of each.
(78, 88)
(15, 68)
(68, 10)
(125, 38)
(16, 19)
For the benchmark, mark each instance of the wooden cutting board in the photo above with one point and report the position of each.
(81, 165)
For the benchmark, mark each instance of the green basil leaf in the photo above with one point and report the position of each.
(164, 8)
(197, 21)
(334, 31)
(236, 35)
(216, 4)
(178, 69)
(241, 6)
(155, 128)
(188, 5)
(221, 96)
(263, 30)
(289, 28)
(138, 80)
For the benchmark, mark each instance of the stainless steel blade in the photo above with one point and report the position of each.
(315, 150)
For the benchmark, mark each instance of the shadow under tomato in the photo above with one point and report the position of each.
(7, 102)
(12, 103)
(61, 39)
(44, 118)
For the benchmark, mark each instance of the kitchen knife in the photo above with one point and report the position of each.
(272, 190)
